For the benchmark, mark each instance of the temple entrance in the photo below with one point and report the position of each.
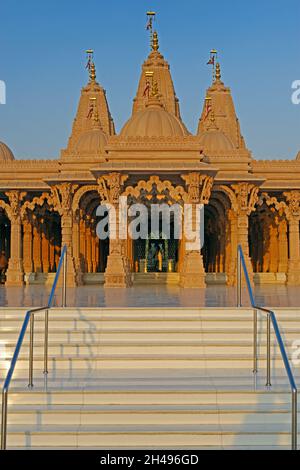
(92, 252)
(214, 242)
(157, 255)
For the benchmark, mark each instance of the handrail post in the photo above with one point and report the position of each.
(255, 341)
(30, 383)
(46, 341)
(268, 384)
(294, 419)
(4, 420)
(239, 279)
(64, 291)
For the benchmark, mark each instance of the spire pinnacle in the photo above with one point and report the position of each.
(212, 61)
(218, 72)
(153, 34)
(154, 42)
(90, 65)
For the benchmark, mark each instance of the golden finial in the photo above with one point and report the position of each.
(218, 72)
(90, 65)
(154, 42)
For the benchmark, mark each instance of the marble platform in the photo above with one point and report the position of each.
(149, 296)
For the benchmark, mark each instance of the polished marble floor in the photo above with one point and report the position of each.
(150, 296)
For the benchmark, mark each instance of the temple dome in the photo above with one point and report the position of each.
(154, 121)
(92, 141)
(215, 140)
(6, 154)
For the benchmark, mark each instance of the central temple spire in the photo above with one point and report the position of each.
(156, 65)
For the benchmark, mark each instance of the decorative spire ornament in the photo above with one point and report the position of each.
(149, 82)
(218, 72)
(93, 115)
(212, 61)
(150, 18)
(90, 65)
(154, 42)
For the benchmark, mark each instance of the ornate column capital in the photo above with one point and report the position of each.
(198, 186)
(62, 196)
(14, 209)
(110, 187)
(292, 205)
(243, 197)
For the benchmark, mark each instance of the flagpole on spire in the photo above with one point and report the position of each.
(212, 61)
(90, 64)
(150, 18)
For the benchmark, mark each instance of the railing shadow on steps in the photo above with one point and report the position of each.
(271, 319)
(29, 320)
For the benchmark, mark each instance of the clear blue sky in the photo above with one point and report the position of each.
(42, 61)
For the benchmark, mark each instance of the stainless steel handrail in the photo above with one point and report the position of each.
(29, 318)
(271, 318)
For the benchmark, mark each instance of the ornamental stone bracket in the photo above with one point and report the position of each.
(156, 190)
(117, 273)
(243, 198)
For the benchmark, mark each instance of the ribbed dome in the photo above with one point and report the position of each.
(215, 140)
(6, 154)
(92, 141)
(154, 121)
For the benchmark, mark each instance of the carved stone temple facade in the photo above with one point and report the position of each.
(45, 204)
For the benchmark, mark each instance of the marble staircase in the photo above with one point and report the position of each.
(148, 378)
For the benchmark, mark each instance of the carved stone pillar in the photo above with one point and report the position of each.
(62, 195)
(27, 247)
(76, 248)
(45, 247)
(233, 234)
(37, 247)
(117, 273)
(273, 248)
(82, 243)
(293, 216)
(192, 274)
(243, 197)
(88, 249)
(282, 246)
(15, 273)
(293, 277)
